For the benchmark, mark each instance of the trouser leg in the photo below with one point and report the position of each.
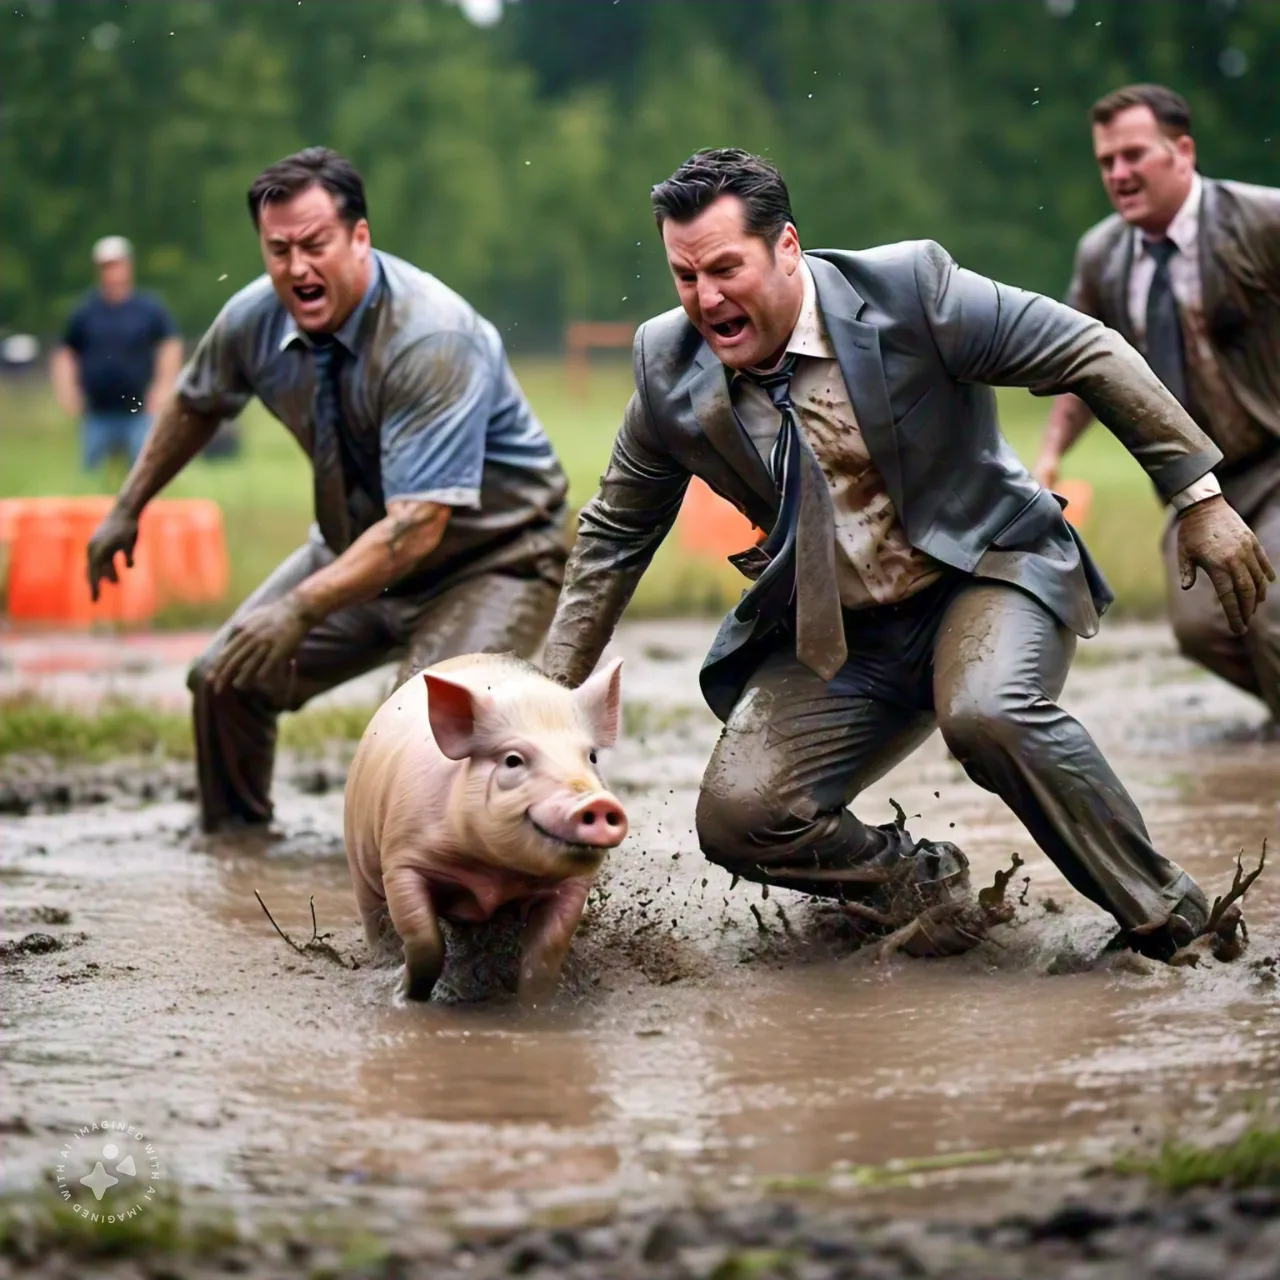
(491, 613)
(235, 731)
(794, 752)
(1262, 640)
(1000, 661)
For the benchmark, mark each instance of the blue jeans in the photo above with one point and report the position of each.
(104, 432)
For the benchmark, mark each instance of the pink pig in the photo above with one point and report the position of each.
(474, 786)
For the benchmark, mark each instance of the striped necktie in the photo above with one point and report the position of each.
(801, 546)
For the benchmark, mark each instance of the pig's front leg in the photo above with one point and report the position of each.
(414, 916)
(548, 932)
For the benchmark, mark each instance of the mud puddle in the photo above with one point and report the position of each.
(702, 1050)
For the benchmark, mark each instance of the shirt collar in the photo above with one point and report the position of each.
(349, 333)
(1184, 230)
(809, 337)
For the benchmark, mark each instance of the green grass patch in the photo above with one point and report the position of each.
(266, 493)
(1251, 1160)
(118, 728)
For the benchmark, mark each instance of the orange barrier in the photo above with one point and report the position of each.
(1079, 496)
(180, 556)
(708, 525)
(188, 546)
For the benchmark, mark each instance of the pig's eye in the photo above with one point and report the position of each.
(512, 760)
(595, 759)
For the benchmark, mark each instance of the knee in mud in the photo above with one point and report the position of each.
(730, 826)
(974, 722)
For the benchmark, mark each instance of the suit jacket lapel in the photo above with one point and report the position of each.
(1115, 286)
(857, 347)
(1213, 293)
(709, 393)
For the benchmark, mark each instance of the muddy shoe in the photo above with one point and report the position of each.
(1185, 924)
(938, 871)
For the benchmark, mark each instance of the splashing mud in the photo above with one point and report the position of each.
(709, 1039)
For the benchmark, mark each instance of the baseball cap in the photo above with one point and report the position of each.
(112, 249)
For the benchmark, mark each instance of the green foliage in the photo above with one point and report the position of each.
(117, 728)
(1251, 1160)
(516, 161)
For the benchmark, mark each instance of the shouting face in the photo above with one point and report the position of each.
(318, 263)
(1147, 174)
(742, 294)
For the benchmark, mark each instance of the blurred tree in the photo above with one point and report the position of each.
(515, 161)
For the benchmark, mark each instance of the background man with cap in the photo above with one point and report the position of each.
(118, 361)
(439, 500)
(1188, 269)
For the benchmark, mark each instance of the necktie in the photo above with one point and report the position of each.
(326, 453)
(802, 543)
(1165, 352)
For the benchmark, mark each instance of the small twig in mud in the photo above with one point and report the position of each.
(1240, 885)
(782, 915)
(318, 944)
(859, 912)
(760, 924)
(1026, 888)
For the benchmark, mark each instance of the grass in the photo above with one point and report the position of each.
(266, 492)
(118, 728)
(1251, 1160)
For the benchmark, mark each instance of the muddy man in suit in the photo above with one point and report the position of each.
(914, 574)
(1188, 269)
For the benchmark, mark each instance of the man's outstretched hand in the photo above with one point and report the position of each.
(265, 638)
(1212, 537)
(117, 532)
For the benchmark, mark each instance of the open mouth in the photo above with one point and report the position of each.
(569, 846)
(308, 292)
(730, 328)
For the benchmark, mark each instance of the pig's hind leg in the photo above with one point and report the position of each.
(548, 932)
(414, 916)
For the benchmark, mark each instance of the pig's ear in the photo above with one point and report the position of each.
(453, 710)
(600, 701)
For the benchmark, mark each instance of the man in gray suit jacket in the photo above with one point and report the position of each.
(914, 574)
(1188, 269)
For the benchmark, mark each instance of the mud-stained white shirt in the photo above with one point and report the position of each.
(875, 563)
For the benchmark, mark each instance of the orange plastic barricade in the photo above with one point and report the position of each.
(710, 526)
(1079, 496)
(47, 573)
(187, 544)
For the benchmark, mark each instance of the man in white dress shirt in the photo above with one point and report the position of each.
(914, 574)
(1188, 270)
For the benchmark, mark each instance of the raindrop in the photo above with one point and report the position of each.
(223, 276)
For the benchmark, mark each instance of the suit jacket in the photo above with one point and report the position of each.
(920, 342)
(1239, 278)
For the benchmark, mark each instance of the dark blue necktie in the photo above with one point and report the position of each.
(801, 545)
(1165, 352)
(326, 452)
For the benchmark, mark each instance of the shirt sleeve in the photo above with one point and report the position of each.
(213, 381)
(73, 334)
(163, 324)
(437, 400)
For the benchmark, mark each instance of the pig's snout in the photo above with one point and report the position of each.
(596, 820)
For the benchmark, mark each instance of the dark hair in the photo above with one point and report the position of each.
(1170, 109)
(726, 171)
(313, 167)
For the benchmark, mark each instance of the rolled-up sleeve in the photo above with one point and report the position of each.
(213, 382)
(437, 402)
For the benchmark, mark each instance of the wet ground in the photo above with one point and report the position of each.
(711, 1044)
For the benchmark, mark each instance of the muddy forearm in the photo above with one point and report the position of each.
(378, 559)
(178, 436)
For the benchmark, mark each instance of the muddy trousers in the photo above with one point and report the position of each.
(1252, 661)
(796, 750)
(235, 732)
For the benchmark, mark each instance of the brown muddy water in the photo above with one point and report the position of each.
(699, 1052)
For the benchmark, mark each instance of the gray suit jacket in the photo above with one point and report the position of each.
(1239, 280)
(920, 342)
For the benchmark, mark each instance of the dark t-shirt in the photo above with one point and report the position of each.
(116, 345)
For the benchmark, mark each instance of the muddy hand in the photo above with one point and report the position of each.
(1212, 537)
(117, 532)
(262, 640)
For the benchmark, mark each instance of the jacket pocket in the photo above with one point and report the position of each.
(1038, 518)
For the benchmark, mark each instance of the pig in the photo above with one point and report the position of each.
(475, 787)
